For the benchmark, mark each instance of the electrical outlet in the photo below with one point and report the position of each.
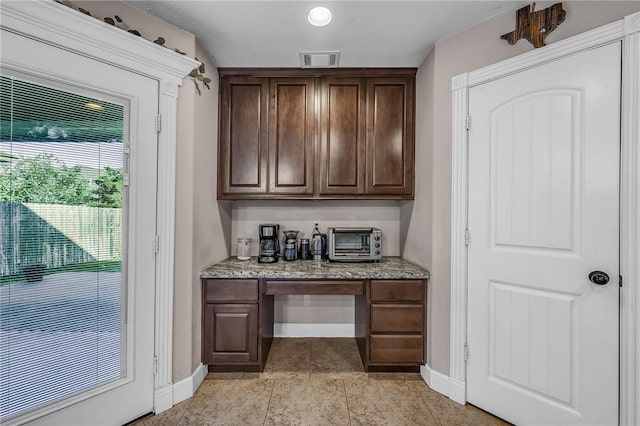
(307, 300)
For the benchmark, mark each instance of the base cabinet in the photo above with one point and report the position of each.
(238, 316)
(237, 325)
(397, 323)
(232, 332)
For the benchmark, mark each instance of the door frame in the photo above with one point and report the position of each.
(63, 27)
(627, 31)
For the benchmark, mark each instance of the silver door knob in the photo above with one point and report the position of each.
(599, 278)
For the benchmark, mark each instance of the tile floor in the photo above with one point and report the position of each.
(314, 381)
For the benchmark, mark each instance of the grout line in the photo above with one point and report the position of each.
(427, 404)
(344, 387)
(310, 357)
(266, 413)
(186, 409)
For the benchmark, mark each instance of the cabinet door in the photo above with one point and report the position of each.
(291, 136)
(390, 114)
(230, 333)
(243, 136)
(342, 136)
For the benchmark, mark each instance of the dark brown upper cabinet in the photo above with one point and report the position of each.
(243, 136)
(390, 136)
(342, 136)
(291, 136)
(316, 134)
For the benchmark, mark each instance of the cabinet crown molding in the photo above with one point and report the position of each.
(318, 72)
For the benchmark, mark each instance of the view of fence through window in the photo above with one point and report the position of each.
(61, 226)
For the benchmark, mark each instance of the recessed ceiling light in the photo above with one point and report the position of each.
(319, 16)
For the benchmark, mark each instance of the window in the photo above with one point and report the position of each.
(62, 328)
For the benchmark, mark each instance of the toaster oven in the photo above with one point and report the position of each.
(354, 244)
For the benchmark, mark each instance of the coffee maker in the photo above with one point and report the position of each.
(269, 246)
(290, 245)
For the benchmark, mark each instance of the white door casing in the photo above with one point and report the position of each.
(627, 30)
(67, 29)
(543, 213)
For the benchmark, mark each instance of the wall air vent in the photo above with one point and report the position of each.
(319, 59)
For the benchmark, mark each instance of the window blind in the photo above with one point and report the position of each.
(61, 226)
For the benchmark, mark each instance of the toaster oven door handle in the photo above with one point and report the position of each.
(352, 230)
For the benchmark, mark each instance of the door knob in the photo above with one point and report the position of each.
(599, 278)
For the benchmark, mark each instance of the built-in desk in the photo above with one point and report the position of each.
(390, 309)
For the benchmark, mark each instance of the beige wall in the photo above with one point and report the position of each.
(301, 216)
(148, 25)
(202, 225)
(416, 217)
(467, 51)
(211, 220)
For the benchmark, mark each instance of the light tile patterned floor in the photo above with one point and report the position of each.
(314, 381)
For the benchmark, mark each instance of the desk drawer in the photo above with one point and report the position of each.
(397, 349)
(397, 290)
(312, 287)
(397, 318)
(230, 290)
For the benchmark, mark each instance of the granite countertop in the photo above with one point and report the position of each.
(387, 268)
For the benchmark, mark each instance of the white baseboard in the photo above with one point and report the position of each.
(444, 384)
(186, 388)
(313, 330)
(168, 396)
(457, 391)
(163, 399)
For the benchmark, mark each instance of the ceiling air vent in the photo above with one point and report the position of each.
(319, 59)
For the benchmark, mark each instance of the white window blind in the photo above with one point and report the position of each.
(61, 244)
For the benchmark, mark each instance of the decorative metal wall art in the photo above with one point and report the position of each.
(535, 25)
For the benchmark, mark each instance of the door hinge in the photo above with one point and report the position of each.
(155, 365)
(466, 352)
(158, 123)
(620, 280)
(157, 244)
(125, 179)
(467, 122)
(467, 237)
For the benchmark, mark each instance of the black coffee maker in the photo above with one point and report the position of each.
(269, 246)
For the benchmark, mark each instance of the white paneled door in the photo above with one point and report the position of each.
(543, 214)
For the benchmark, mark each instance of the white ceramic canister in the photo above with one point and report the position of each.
(244, 249)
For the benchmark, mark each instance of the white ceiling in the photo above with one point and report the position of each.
(367, 33)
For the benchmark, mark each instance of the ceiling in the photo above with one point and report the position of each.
(367, 33)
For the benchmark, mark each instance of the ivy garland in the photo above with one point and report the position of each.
(197, 74)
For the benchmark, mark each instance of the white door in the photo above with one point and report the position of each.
(115, 397)
(543, 213)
